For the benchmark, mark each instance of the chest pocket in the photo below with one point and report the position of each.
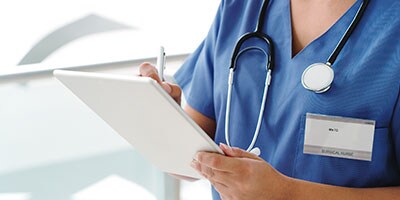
(348, 172)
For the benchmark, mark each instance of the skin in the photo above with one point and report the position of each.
(242, 175)
(311, 18)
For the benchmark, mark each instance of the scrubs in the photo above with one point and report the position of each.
(366, 86)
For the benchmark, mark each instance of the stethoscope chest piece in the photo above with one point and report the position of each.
(317, 77)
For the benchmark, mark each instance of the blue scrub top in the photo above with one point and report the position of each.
(366, 85)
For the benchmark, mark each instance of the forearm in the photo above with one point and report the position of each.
(207, 124)
(304, 190)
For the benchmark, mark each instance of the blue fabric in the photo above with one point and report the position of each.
(366, 85)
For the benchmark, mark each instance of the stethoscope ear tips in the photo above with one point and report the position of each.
(256, 151)
(317, 77)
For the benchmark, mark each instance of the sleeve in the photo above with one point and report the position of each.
(196, 75)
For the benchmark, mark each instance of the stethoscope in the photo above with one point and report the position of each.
(317, 77)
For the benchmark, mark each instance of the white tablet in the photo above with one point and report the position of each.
(139, 110)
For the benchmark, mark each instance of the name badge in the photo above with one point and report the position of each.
(339, 137)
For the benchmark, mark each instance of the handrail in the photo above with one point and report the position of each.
(38, 71)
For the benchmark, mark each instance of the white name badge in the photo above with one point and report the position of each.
(339, 137)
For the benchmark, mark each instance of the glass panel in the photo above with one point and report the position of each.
(179, 25)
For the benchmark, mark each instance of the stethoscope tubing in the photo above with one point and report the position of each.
(247, 36)
(270, 64)
(335, 53)
(263, 101)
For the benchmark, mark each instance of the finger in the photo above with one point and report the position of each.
(175, 91)
(223, 197)
(212, 174)
(222, 189)
(236, 152)
(218, 161)
(166, 87)
(148, 70)
(205, 171)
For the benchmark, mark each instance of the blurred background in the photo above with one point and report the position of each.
(52, 147)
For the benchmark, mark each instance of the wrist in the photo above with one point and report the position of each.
(290, 189)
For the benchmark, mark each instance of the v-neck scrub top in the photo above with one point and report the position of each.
(366, 86)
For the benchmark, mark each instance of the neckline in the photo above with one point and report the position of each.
(315, 40)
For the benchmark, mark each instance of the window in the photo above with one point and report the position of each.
(52, 146)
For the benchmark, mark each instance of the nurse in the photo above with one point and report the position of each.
(340, 141)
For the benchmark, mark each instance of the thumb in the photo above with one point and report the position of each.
(237, 152)
(174, 90)
(166, 87)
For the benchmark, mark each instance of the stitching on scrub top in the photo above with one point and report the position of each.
(296, 158)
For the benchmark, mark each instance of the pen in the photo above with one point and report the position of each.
(161, 63)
